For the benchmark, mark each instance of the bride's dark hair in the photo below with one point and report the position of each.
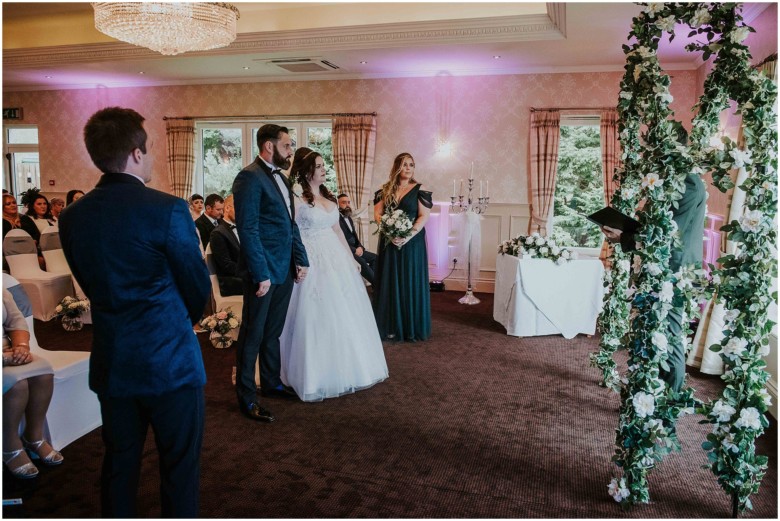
(301, 172)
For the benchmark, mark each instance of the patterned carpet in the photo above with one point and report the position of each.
(471, 423)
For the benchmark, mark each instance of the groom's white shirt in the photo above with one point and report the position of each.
(280, 182)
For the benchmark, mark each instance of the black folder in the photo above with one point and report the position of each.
(608, 216)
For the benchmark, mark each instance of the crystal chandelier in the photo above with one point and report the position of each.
(168, 28)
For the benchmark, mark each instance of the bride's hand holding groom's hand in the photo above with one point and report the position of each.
(301, 273)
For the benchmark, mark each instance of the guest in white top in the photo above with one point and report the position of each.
(38, 209)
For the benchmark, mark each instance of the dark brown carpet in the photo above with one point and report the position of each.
(471, 423)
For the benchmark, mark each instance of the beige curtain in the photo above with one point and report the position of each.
(180, 155)
(354, 142)
(610, 160)
(543, 154)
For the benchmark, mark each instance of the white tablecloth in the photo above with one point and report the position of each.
(536, 297)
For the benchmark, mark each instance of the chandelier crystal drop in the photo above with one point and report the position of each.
(168, 28)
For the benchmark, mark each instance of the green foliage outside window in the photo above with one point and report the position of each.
(320, 139)
(221, 159)
(579, 188)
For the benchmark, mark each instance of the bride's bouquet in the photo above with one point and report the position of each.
(395, 224)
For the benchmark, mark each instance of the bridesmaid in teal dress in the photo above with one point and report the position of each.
(402, 301)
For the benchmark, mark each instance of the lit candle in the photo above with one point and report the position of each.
(461, 187)
(454, 188)
(480, 188)
(472, 170)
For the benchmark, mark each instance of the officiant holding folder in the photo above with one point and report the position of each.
(689, 216)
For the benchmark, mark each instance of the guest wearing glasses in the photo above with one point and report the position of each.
(28, 384)
(148, 285)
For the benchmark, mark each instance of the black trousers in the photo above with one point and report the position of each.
(177, 420)
(262, 322)
(367, 262)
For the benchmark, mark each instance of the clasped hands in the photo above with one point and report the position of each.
(18, 355)
(398, 241)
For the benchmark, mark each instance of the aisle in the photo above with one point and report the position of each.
(471, 423)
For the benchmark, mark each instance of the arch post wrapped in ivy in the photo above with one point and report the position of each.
(643, 291)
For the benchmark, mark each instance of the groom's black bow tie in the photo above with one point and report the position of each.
(276, 172)
(232, 226)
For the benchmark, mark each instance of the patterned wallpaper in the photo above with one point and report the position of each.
(486, 119)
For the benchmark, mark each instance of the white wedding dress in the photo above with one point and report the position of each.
(330, 345)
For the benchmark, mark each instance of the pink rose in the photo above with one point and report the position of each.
(222, 315)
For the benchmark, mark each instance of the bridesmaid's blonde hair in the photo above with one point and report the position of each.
(391, 186)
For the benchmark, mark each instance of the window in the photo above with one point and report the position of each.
(579, 187)
(21, 171)
(223, 149)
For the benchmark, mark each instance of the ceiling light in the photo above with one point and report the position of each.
(168, 28)
(141, 72)
(363, 63)
(496, 57)
(246, 68)
(47, 77)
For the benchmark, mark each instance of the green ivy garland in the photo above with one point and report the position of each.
(642, 292)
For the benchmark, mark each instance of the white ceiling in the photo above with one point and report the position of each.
(55, 46)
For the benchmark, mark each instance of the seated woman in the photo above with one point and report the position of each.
(73, 196)
(13, 219)
(39, 209)
(28, 383)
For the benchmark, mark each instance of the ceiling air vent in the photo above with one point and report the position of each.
(304, 65)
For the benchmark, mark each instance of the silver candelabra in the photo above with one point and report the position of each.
(458, 205)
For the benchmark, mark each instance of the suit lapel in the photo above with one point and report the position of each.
(270, 175)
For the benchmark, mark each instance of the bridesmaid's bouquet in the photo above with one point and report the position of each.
(395, 224)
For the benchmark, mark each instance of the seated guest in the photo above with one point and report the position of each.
(225, 248)
(57, 205)
(73, 196)
(366, 259)
(212, 213)
(38, 208)
(13, 219)
(196, 206)
(28, 383)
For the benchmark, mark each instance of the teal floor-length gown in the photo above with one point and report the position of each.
(402, 300)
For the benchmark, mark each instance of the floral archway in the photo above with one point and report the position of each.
(642, 290)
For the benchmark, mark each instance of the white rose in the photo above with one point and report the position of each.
(764, 350)
(544, 250)
(540, 241)
(740, 157)
(391, 221)
(722, 411)
(625, 95)
(565, 254)
(652, 181)
(653, 8)
(529, 240)
(555, 250)
(233, 323)
(653, 268)
(731, 315)
(667, 292)
(766, 397)
(623, 265)
(618, 490)
(739, 34)
(734, 348)
(297, 189)
(573, 255)
(666, 23)
(644, 404)
(749, 418)
(728, 442)
(700, 17)
(560, 261)
(212, 324)
(750, 221)
(660, 341)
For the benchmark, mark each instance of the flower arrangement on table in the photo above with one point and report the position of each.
(220, 325)
(394, 224)
(535, 246)
(71, 309)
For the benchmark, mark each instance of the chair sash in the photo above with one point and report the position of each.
(50, 240)
(18, 242)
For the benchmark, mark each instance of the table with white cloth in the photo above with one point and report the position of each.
(537, 297)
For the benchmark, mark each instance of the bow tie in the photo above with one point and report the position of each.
(232, 226)
(276, 172)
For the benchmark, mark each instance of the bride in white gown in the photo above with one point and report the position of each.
(330, 345)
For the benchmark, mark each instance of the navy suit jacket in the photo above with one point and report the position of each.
(135, 253)
(270, 241)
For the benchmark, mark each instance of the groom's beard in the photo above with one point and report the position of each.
(346, 212)
(279, 160)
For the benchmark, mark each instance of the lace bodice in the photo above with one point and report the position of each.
(311, 220)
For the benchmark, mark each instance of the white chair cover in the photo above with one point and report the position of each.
(44, 289)
(56, 263)
(234, 302)
(74, 409)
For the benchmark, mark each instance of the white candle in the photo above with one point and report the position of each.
(487, 188)
(454, 188)
(480, 188)
(472, 170)
(461, 187)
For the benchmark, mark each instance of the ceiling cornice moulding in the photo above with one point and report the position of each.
(477, 30)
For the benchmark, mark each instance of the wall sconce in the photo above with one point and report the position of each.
(443, 147)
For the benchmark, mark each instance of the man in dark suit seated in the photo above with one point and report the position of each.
(366, 259)
(225, 248)
(212, 215)
(148, 285)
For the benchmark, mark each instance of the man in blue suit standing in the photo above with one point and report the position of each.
(272, 257)
(135, 253)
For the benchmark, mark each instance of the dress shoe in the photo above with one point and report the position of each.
(257, 413)
(42, 450)
(282, 391)
(23, 468)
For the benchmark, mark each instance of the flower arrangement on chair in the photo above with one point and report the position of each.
(71, 309)
(221, 324)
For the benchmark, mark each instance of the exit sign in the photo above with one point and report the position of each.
(14, 113)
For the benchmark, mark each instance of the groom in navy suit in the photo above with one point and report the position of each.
(135, 253)
(272, 257)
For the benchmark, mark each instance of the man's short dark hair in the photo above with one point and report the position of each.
(213, 199)
(269, 132)
(342, 195)
(111, 135)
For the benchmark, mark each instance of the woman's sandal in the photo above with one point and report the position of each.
(23, 471)
(51, 459)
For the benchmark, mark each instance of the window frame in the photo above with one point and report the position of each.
(9, 173)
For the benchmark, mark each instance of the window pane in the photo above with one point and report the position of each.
(222, 159)
(319, 139)
(293, 136)
(26, 171)
(22, 136)
(579, 188)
